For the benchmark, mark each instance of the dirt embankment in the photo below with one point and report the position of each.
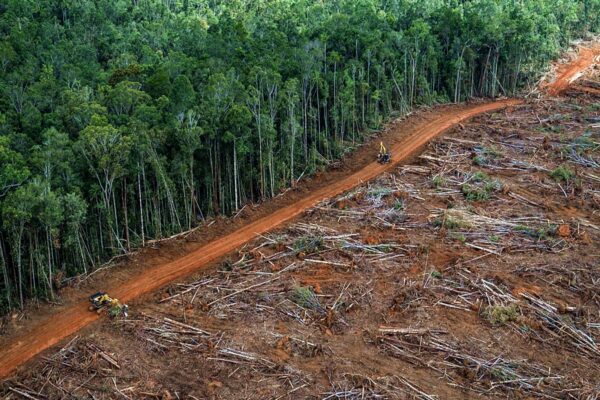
(569, 72)
(48, 332)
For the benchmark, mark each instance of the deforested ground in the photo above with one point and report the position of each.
(473, 272)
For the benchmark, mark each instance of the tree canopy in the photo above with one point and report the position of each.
(123, 121)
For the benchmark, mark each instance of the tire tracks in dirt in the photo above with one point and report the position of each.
(53, 330)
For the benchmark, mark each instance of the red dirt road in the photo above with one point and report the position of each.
(53, 330)
(568, 73)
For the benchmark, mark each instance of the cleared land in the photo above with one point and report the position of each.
(472, 271)
(51, 330)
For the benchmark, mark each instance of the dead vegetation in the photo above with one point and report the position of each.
(473, 274)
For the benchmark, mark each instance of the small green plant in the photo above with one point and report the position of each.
(438, 181)
(399, 205)
(493, 186)
(480, 177)
(594, 107)
(492, 151)
(503, 373)
(562, 173)
(584, 142)
(227, 265)
(386, 248)
(481, 188)
(501, 315)
(306, 298)
(447, 222)
(460, 237)
(494, 238)
(485, 154)
(541, 233)
(309, 244)
(524, 329)
(480, 160)
(474, 193)
(436, 274)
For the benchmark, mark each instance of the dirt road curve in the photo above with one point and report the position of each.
(53, 330)
(570, 72)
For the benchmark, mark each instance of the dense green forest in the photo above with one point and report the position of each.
(128, 120)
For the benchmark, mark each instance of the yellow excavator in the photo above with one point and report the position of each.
(384, 156)
(102, 301)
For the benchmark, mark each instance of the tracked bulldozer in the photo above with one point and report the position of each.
(101, 301)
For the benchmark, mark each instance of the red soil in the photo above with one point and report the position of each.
(54, 329)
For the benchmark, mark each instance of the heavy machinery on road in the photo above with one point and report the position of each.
(102, 301)
(384, 156)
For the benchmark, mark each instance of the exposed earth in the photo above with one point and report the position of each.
(470, 272)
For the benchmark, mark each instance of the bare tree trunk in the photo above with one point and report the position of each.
(5, 274)
(192, 217)
(235, 176)
(141, 209)
(116, 227)
(260, 152)
(83, 260)
(101, 232)
(517, 72)
(271, 169)
(483, 81)
(125, 216)
(335, 125)
(495, 71)
(305, 95)
(293, 141)
(457, 89)
(48, 249)
(19, 264)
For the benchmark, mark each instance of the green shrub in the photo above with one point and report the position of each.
(436, 274)
(482, 187)
(480, 160)
(584, 142)
(306, 298)
(474, 193)
(562, 173)
(494, 238)
(399, 205)
(538, 233)
(501, 315)
(227, 265)
(438, 181)
(460, 237)
(503, 373)
(480, 177)
(492, 151)
(447, 222)
(493, 186)
(309, 244)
